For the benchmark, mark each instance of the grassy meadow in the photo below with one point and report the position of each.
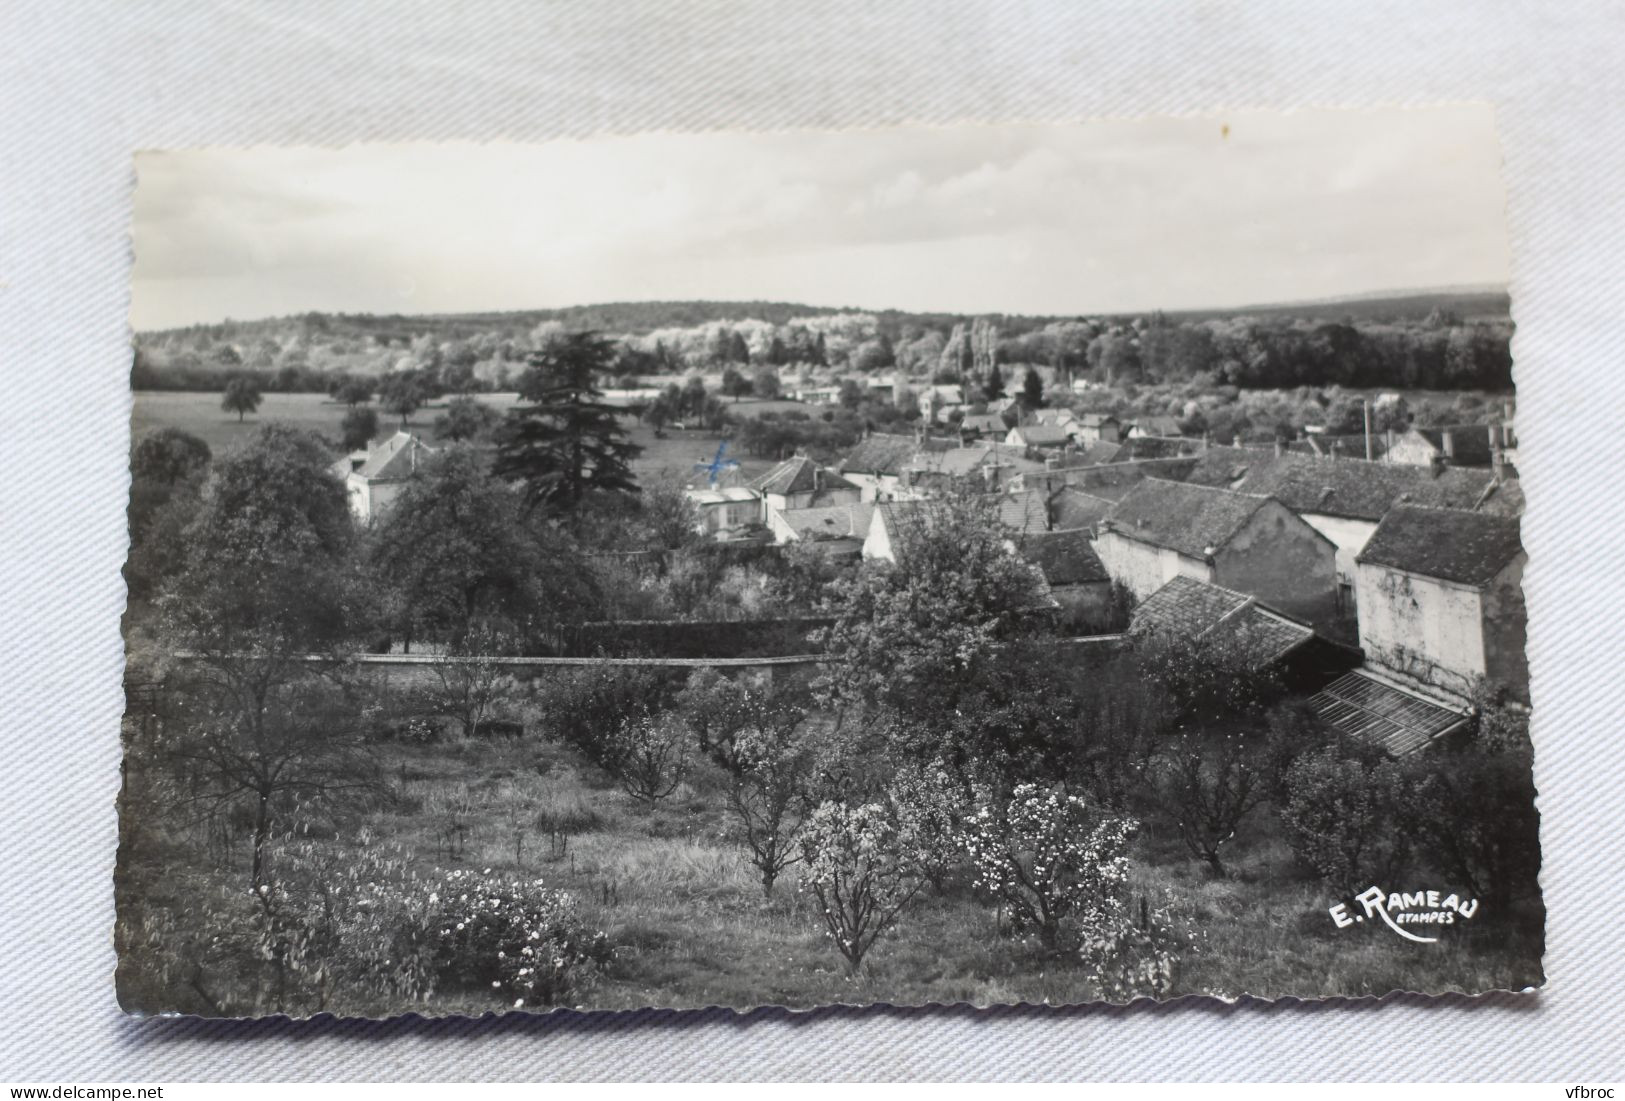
(199, 413)
(691, 928)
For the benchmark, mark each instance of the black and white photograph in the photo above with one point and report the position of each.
(1041, 564)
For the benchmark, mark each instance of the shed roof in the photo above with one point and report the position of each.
(1181, 517)
(1399, 720)
(1469, 548)
(1188, 608)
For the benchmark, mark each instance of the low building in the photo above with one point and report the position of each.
(1441, 600)
(983, 426)
(827, 522)
(1158, 427)
(1480, 445)
(877, 463)
(817, 395)
(995, 466)
(1186, 608)
(374, 478)
(725, 513)
(1092, 427)
(1249, 543)
(1038, 436)
(1076, 578)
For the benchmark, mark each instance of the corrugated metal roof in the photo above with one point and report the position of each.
(1385, 714)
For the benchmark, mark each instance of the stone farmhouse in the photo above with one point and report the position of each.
(1247, 542)
(1441, 600)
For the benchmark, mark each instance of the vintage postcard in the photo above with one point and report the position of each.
(986, 564)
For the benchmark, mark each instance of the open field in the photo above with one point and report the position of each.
(691, 927)
(199, 413)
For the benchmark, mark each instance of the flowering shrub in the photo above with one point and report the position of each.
(650, 757)
(1050, 859)
(522, 940)
(767, 794)
(929, 807)
(854, 862)
(333, 924)
(1139, 958)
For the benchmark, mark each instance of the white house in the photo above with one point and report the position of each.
(937, 401)
(374, 478)
(798, 482)
(1441, 599)
(722, 513)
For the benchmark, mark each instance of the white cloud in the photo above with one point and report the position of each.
(1101, 216)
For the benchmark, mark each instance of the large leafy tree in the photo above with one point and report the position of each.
(269, 582)
(913, 640)
(269, 553)
(242, 396)
(167, 470)
(564, 443)
(458, 553)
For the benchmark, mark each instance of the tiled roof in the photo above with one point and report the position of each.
(396, 457)
(1095, 420)
(829, 521)
(1024, 511)
(984, 422)
(1382, 713)
(1469, 548)
(798, 474)
(956, 462)
(1042, 435)
(1188, 608)
(1185, 518)
(1065, 557)
(1072, 508)
(1100, 451)
(888, 454)
(1350, 488)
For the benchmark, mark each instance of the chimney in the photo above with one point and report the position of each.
(1447, 440)
(1279, 447)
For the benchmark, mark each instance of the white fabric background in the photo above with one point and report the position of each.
(84, 84)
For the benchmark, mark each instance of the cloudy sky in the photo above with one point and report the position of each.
(1109, 216)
